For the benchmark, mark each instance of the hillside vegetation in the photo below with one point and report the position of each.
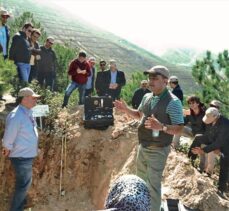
(182, 56)
(101, 44)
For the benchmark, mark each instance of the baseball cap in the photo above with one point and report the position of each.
(210, 115)
(215, 103)
(158, 70)
(173, 78)
(4, 12)
(25, 92)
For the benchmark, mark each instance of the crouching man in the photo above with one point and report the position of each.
(216, 140)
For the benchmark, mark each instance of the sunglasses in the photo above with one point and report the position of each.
(102, 64)
(51, 43)
(5, 16)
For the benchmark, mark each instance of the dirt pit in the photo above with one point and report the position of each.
(92, 161)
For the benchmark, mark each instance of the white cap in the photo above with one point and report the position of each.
(211, 115)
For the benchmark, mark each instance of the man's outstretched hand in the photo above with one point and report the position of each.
(120, 105)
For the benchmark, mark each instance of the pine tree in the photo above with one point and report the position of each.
(213, 75)
(7, 74)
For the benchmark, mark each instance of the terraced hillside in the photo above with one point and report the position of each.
(96, 42)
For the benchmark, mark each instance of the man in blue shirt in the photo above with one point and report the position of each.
(20, 144)
(4, 33)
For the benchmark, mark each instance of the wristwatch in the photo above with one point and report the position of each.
(164, 127)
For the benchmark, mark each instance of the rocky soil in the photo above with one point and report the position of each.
(93, 159)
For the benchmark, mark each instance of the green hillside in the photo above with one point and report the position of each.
(99, 43)
(182, 56)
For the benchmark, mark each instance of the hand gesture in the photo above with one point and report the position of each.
(120, 105)
(153, 123)
(197, 151)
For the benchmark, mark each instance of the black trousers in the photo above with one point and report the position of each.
(46, 79)
(33, 73)
(223, 173)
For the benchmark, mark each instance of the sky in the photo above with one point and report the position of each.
(158, 25)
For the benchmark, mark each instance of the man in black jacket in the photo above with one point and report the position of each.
(4, 33)
(115, 80)
(100, 78)
(216, 139)
(47, 65)
(139, 93)
(177, 91)
(20, 51)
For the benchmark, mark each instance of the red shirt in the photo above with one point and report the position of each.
(79, 77)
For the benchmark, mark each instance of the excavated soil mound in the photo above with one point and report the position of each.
(92, 161)
(182, 181)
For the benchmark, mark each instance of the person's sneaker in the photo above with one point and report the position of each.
(222, 195)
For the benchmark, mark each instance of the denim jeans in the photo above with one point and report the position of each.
(150, 166)
(23, 175)
(88, 92)
(23, 71)
(71, 87)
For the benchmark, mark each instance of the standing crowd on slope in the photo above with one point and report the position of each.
(160, 111)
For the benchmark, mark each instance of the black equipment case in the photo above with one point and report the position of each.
(98, 112)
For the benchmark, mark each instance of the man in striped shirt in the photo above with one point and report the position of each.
(161, 117)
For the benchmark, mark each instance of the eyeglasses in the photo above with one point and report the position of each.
(102, 64)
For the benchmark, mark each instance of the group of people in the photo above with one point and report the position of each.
(82, 72)
(39, 62)
(160, 111)
(32, 60)
(163, 121)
